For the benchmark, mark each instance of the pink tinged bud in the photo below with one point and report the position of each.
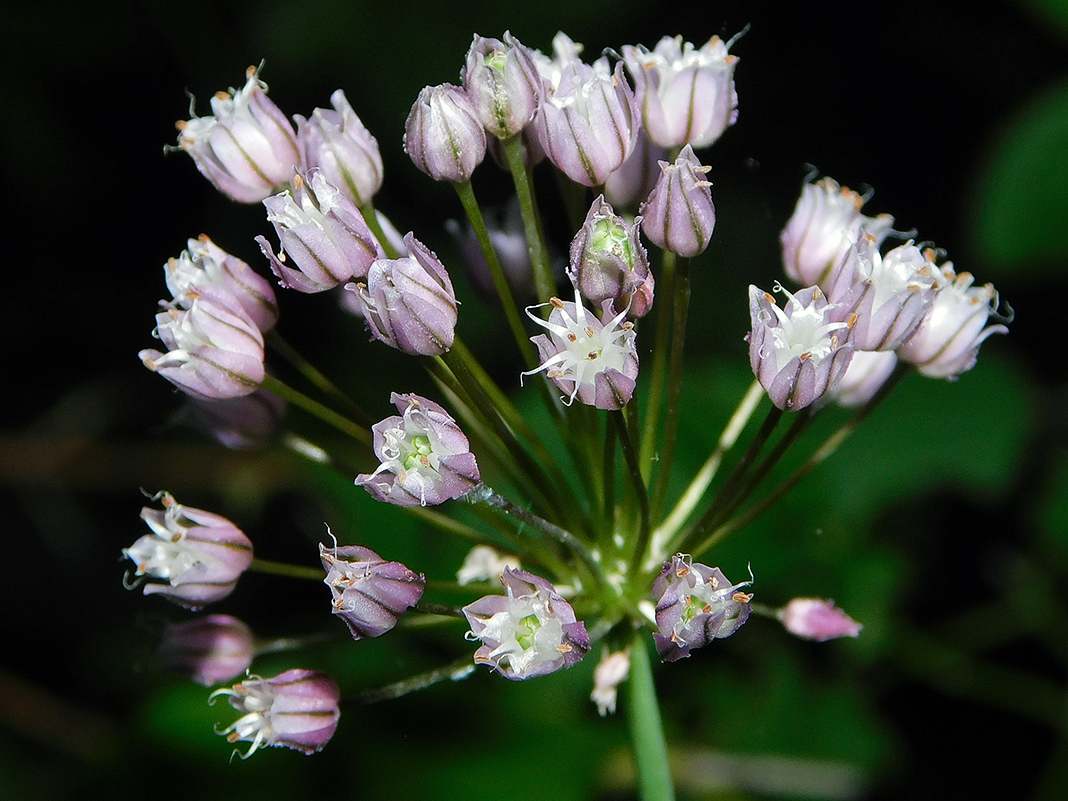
(608, 261)
(323, 233)
(409, 303)
(610, 672)
(248, 148)
(215, 351)
(212, 649)
(503, 84)
(426, 459)
(297, 709)
(530, 631)
(813, 619)
(678, 215)
(443, 134)
(593, 361)
(946, 342)
(205, 269)
(631, 184)
(695, 604)
(241, 423)
(825, 223)
(686, 95)
(337, 143)
(369, 594)
(800, 351)
(196, 555)
(866, 373)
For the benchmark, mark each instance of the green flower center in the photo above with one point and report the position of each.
(525, 631)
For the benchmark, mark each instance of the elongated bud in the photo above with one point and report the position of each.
(443, 135)
(369, 593)
(337, 143)
(815, 619)
(679, 215)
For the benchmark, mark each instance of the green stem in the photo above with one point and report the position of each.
(313, 374)
(460, 669)
(284, 569)
(646, 728)
(539, 254)
(665, 286)
(630, 453)
(324, 413)
(371, 218)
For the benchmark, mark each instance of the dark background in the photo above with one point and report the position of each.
(943, 526)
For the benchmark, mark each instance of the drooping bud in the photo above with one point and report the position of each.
(503, 84)
(338, 144)
(212, 649)
(608, 260)
(815, 619)
(426, 459)
(243, 423)
(530, 631)
(678, 214)
(369, 593)
(297, 709)
(686, 94)
(443, 135)
(695, 604)
(799, 351)
(322, 231)
(197, 556)
(247, 149)
(610, 672)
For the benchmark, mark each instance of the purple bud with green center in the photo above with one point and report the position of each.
(215, 351)
(530, 631)
(695, 604)
(443, 135)
(297, 709)
(503, 84)
(819, 620)
(322, 232)
(409, 303)
(426, 458)
(798, 352)
(248, 148)
(608, 260)
(340, 146)
(825, 223)
(212, 649)
(369, 593)
(686, 94)
(678, 214)
(197, 556)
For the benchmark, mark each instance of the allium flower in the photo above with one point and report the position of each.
(799, 352)
(593, 361)
(426, 459)
(678, 214)
(825, 222)
(608, 261)
(686, 95)
(205, 269)
(369, 593)
(241, 423)
(297, 709)
(813, 619)
(530, 631)
(198, 556)
(213, 649)
(503, 84)
(443, 134)
(947, 341)
(248, 148)
(215, 350)
(868, 370)
(483, 563)
(610, 672)
(322, 231)
(409, 303)
(340, 146)
(695, 604)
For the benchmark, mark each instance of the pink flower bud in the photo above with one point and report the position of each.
(865, 375)
(813, 619)
(678, 214)
(443, 134)
(337, 143)
(369, 593)
(212, 649)
(503, 84)
(243, 423)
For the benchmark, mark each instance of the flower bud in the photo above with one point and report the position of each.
(204, 268)
(409, 303)
(243, 423)
(813, 619)
(608, 261)
(530, 631)
(337, 143)
(322, 231)
(483, 563)
(216, 352)
(198, 556)
(678, 214)
(212, 649)
(825, 222)
(503, 84)
(369, 594)
(297, 709)
(426, 459)
(686, 95)
(695, 604)
(610, 672)
(443, 135)
(868, 370)
(248, 148)
(800, 351)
